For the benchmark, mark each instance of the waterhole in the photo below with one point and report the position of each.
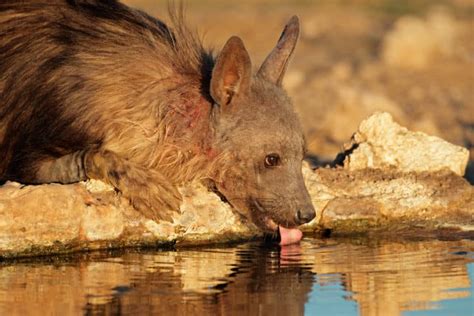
(316, 277)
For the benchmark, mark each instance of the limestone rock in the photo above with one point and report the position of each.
(380, 199)
(380, 143)
(32, 216)
(55, 218)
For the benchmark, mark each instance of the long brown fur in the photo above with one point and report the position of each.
(95, 89)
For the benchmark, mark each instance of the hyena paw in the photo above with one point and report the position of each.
(155, 199)
(149, 191)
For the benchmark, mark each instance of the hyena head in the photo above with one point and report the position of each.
(259, 135)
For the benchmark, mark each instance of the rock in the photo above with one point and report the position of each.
(370, 200)
(394, 181)
(381, 143)
(90, 215)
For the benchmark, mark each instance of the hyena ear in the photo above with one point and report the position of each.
(232, 72)
(274, 66)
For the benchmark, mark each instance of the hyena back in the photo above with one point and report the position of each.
(93, 89)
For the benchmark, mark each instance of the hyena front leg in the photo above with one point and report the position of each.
(148, 190)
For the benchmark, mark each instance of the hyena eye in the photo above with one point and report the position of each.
(272, 160)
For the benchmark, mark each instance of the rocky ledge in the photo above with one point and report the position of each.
(388, 181)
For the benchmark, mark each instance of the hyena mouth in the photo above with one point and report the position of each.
(287, 235)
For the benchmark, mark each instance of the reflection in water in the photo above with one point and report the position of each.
(380, 278)
(389, 278)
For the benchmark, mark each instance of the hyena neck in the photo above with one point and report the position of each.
(186, 149)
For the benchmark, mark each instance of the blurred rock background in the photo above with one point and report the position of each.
(412, 58)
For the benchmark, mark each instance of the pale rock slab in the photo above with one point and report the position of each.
(387, 200)
(381, 143)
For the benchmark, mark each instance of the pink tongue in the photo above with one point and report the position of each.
(289, 235)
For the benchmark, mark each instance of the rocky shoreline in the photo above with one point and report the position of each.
(388, 182)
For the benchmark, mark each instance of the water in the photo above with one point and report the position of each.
(318, 277)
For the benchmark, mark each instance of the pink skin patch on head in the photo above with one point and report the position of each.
(211, 153)
(289, 236)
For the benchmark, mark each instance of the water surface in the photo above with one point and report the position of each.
(317, 277)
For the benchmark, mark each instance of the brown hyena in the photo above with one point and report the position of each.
(92, 89)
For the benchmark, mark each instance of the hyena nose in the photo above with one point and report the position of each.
(304, 216)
